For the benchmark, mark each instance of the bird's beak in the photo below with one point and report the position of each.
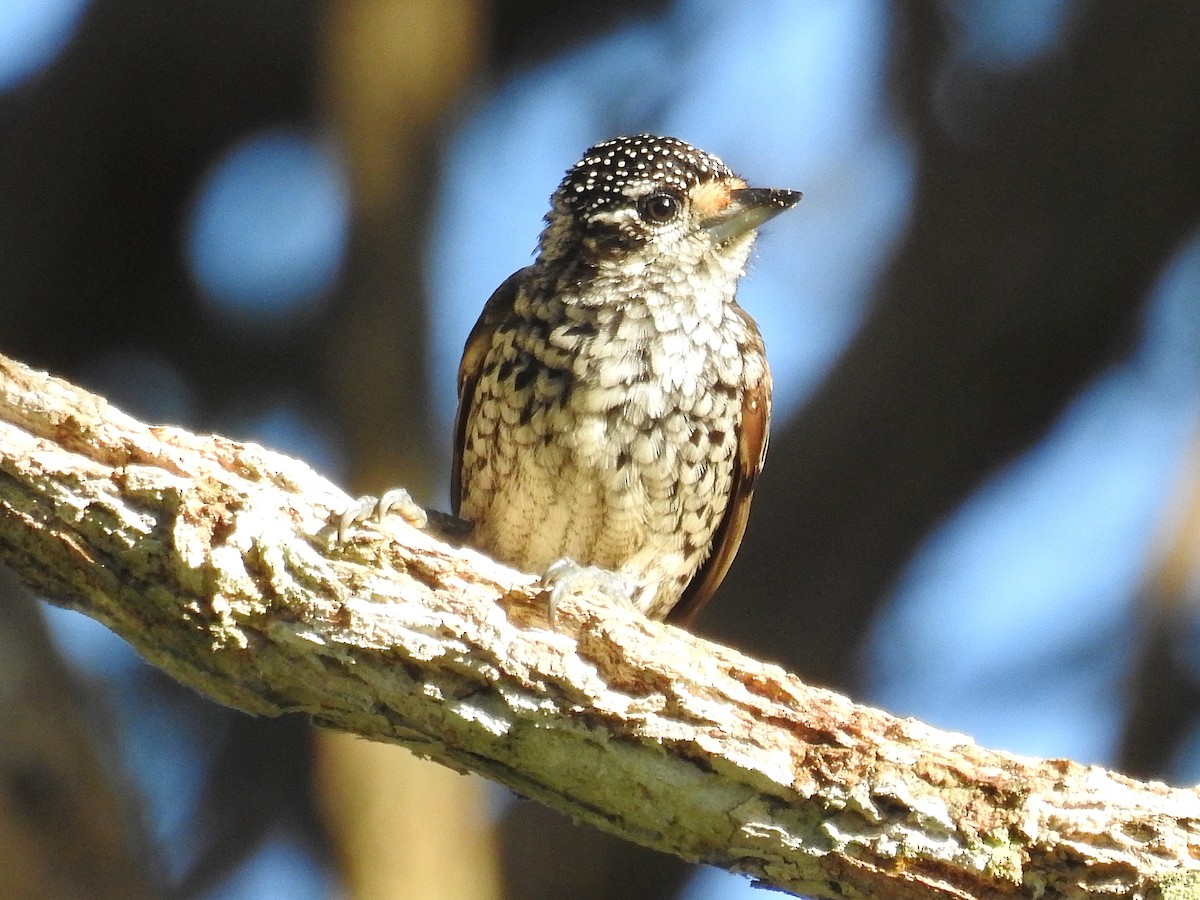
(747, 209)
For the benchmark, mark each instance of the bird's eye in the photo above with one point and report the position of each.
(659, 208)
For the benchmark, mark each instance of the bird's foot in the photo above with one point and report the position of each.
(397, 500)
(565, 576)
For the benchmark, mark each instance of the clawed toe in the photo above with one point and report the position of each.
(565, 576)
(358, 511)
(397, 500)
(400, 502)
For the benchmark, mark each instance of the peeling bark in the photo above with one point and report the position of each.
(215, 559)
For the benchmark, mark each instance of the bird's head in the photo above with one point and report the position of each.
(633, 200)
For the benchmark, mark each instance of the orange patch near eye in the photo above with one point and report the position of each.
(711, 197)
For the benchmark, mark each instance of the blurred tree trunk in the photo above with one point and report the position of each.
(69, 827)
(402, 827)
(1164, 691)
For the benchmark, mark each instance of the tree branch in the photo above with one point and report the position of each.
(215, 560)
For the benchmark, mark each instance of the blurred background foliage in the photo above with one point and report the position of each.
(278, 219)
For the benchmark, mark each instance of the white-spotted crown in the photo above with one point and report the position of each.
(606, 172)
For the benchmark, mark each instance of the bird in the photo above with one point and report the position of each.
(614, 400)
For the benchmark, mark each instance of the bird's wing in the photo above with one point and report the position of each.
(479, 342)
(751, 451)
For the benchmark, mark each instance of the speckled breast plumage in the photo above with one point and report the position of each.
(606, 434)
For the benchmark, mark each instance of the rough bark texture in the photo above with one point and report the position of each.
(215, 560)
